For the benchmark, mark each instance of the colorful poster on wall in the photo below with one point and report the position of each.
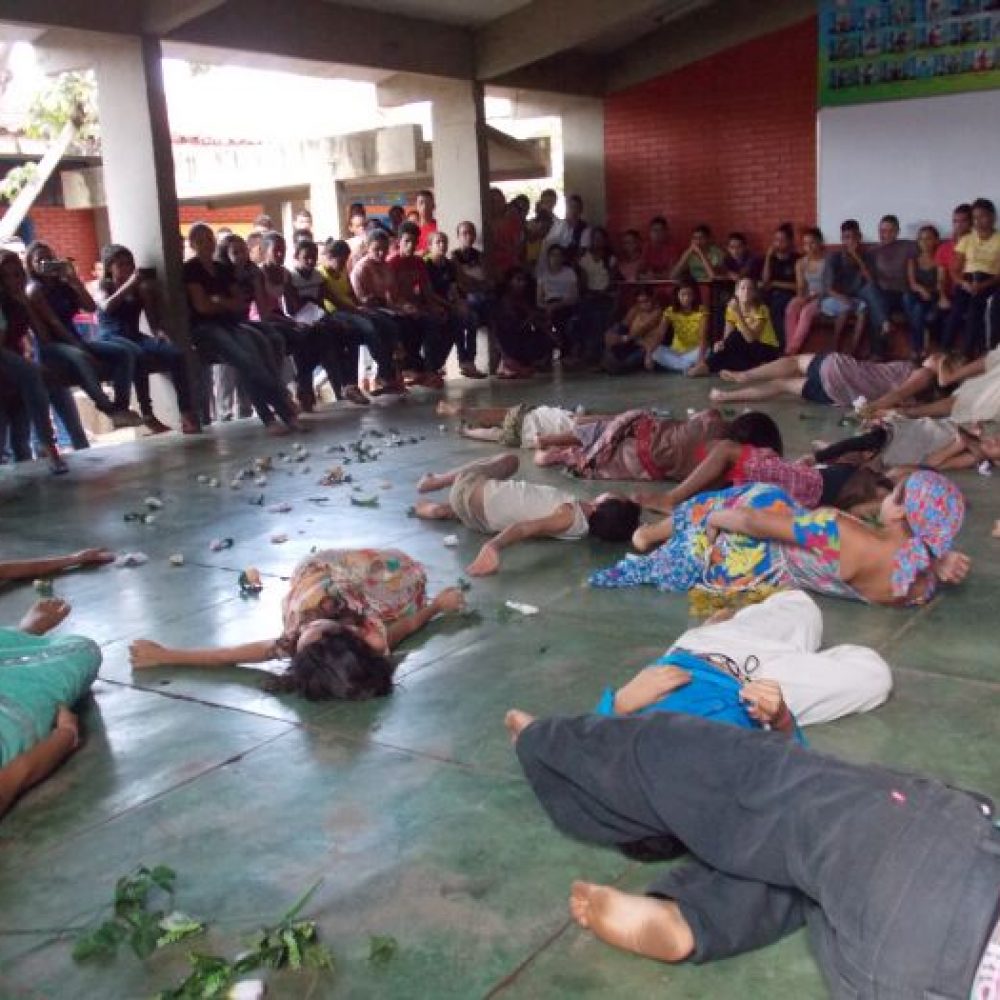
(889, 50)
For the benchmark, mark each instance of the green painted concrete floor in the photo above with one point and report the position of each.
(411, 809)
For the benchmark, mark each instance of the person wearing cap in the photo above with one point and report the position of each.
(756, 538)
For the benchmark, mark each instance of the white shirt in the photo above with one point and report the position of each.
(543, 421)
(510, 501)
(562, 285)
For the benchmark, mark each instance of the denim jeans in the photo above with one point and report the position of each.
(974, 324)
(26, 377)
(897, 876)
(155, 356)
(922, 317)
(73, 364)
(235, 346)
(881, 305)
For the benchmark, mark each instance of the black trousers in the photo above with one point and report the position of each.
(898, 877)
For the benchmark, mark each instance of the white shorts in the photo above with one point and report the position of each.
(545, 420)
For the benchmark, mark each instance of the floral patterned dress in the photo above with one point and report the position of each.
(733, 562)
(366, 589)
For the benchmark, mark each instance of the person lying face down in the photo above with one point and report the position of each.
(485, 498)
(344, 612)
(778, 837)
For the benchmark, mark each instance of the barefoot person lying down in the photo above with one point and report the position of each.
(977, 397)
(897, 876)
(518, 426)
(760, 667)
(31, 569)
(833, 379)
(39, 678)
(751, 537)
(485, 498)
(345, 610)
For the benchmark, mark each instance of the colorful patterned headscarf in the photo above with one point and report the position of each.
(935, 509)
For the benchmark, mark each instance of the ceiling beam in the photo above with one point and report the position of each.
(120, 16)
(547, 27)
(333, 33)
(161, 17)
(579, 73)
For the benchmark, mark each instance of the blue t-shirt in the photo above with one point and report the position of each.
(711, 694)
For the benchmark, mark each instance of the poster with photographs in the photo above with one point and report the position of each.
(887, 50)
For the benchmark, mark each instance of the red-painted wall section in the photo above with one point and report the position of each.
(72, 233)
(729, 141)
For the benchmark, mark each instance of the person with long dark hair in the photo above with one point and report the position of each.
(344, 612)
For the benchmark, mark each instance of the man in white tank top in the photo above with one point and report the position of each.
(485, 498)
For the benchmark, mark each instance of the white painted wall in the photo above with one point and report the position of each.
(916, 159)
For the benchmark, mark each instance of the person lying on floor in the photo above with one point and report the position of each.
(344, 612)
(898, 442)
(832, 379)
(31, 569)
(40, 677)
(976, 398)
(760, 667)
(897, 876)
(751, 537)
(484, 497)
(735, 463)
(520, 426)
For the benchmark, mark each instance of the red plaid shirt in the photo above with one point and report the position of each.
(803, 483)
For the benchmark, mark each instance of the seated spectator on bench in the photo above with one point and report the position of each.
(571, 233)
(215, 306)
(976, 275)
(961, 226)
(738, 262)
(524, 338)
(810, 276)
(56, 295)
(702, 261)
(629, 344)
(558, 296)
(848, 270)
(22, 377)
(749, 339)
(535, 232)
(657, 262)
(599, 269)
(884, 295)
(371, 327)
(507, 243)
(470, 272)
(426, 221)
(630, 258)
(778, 281)
(923, 299)
(443, 275)
(683, 335)
(125, 294)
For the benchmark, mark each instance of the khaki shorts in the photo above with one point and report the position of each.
(461, 501)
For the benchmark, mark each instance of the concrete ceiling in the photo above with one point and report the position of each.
(583, 47)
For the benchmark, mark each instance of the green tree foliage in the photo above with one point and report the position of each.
(56, 105)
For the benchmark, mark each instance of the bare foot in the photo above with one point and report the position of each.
(45, 615)
(516, 721)
(718, 395)
(728, 376)
(430, 511)
(430, 482)
(486, 563)
(545, 457)
(653, 928)
(446, 409)
(700, 370)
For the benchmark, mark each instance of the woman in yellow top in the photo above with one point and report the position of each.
(749, 339)
(687, 323)
(975, 308)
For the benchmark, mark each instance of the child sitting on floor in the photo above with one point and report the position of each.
(749, 337)
(687, 326)
(629, 344)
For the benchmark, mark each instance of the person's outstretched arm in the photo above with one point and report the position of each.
(555, 524)
(144, 653)
(762, 524)
(35, 765)
(649, 686)
(449, 601)
(711, 473)
(915, 383)
(28, 569)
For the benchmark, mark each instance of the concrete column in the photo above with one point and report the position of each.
(461, 167)
(583, 154)
(139, 170)
(323, 201)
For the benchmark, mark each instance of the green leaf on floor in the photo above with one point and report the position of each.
(382, 948)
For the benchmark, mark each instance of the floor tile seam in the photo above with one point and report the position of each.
(173, 619)
(114, 817)
(911, 621)
(916, 672)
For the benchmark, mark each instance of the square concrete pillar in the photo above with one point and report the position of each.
(583, 154)
(461, 167)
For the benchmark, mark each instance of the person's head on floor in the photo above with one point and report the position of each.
(888, 229)
(333, 662)
(306, 256)
(862, 486)
(201, 239)
(377, 243)
(757, 429)
(409, 236)
(613, 519)
(275, 249)
(336, 254)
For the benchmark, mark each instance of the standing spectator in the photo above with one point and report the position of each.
(922, 301)
(571, 233)
(426, 221)
(396, 216)
(535, 232)
(975, 312)
(506, 243)
(126, 293)
(303, 219)
(443, 275)
(630, 258)
(357, 219)
(599, 270)
(848, 270)
(548, 200)
(884, 294)
(810, 284)
(263, 224)
(558, 296)
(57, 295)
(657, 260)
(778, 281)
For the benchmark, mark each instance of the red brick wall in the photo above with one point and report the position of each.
(72, 233)
(729, 140)
(235, 216)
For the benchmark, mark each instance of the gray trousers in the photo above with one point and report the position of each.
(898, 877)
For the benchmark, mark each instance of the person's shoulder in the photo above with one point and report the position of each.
(192, 269)
(962, 246)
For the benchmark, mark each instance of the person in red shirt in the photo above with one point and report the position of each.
(428, 224)
(658, 254)
(428, 333)
(944, 256)
(507, 235)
